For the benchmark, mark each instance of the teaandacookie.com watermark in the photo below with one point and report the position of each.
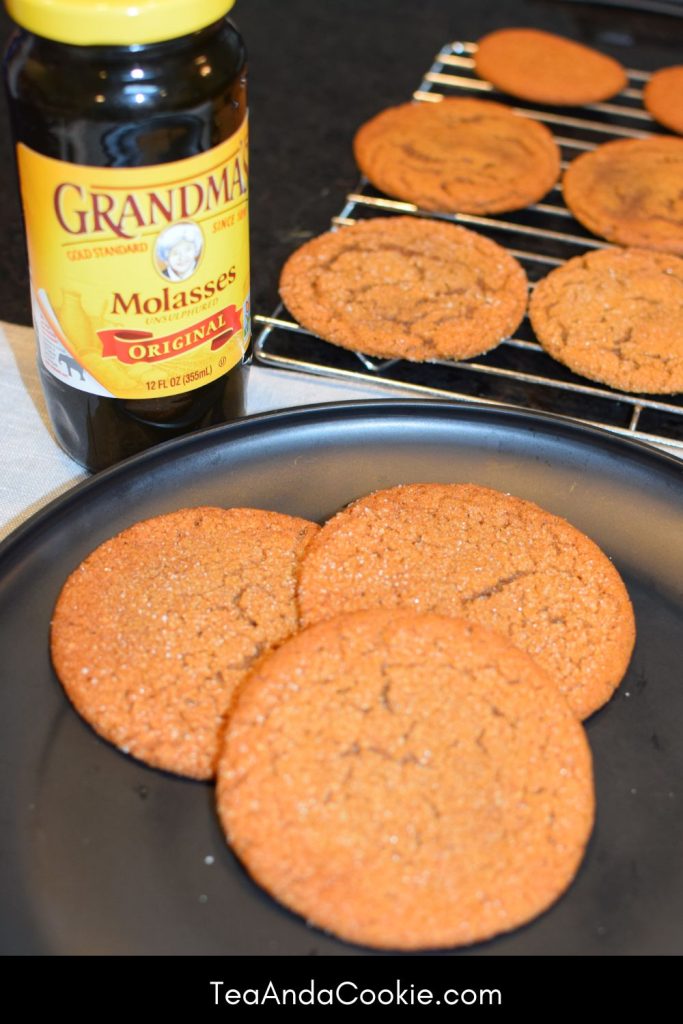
(349, 993)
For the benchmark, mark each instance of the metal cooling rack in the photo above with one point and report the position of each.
(541, 236)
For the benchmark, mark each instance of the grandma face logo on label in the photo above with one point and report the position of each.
(139, 276)
(178, 250)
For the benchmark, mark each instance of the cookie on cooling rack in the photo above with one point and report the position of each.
(662, 96)
(406, 781)
(458, 155)
(155, 630)
(615, 316)
(472, 552)
(406, 287)
(629, 191)
(546, 68)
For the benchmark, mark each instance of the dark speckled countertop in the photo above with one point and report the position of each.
(317, 71)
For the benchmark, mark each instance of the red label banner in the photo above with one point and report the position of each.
(131, 346)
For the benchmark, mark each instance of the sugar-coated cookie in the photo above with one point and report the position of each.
(629, 191)
(615, 316)
(406, 781)
(155, 630)
(458, 156)
(547, 68)
(406, 287)
(472, 552)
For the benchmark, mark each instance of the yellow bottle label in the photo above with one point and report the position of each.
(139, 275)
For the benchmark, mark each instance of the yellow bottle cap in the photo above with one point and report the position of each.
(115, 22)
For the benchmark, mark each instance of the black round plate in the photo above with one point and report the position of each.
(104, 855)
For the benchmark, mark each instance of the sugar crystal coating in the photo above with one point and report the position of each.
(615, 316)
(406, 781)
(155, 630)
(405, 287)
(464, 550)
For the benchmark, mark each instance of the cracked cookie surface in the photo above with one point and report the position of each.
(458, 156)
(472, 552)
(547, 68)
(616, 317)
(405, 287)
(155, 630)
(629, 191)
(406, 781)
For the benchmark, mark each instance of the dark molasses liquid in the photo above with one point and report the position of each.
(129, 106)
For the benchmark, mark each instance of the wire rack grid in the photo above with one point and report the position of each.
(542, 236)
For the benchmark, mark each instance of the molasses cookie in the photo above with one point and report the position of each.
(458, 155)
(156, 629)
(663, 96)
(629, 191)
(406, 287)
(615, 316)
(406, 781)
(471, 552)
(545, 68)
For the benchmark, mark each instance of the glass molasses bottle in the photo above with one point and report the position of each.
(130, 124)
